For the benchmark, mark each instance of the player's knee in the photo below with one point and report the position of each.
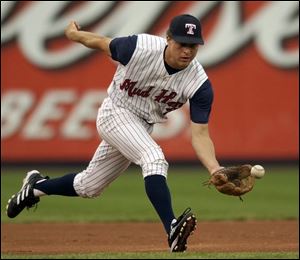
(153, 162)
(84, 188)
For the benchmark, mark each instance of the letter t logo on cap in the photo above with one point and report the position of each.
(191, 27)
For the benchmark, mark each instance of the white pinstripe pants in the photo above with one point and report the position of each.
(125, 139)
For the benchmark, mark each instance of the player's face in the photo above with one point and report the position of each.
(179, 55)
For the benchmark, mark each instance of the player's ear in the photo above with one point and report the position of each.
(168, 38)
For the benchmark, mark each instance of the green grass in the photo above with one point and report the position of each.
(237, 255)
(273, 197)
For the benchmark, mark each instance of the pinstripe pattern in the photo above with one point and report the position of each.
(140, 94)
(126, 138)
(146, 67)
(106, 165)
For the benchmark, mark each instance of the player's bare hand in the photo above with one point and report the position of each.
(72, 30)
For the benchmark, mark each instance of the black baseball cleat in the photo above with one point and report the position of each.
(181, 229)
(24, 198)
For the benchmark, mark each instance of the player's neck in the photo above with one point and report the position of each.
(171, 61)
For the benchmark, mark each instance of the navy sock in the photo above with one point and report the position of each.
(58, 186)
(159, 195)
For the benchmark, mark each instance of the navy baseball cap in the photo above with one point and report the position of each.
(186, 29)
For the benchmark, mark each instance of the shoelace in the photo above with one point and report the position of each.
(187, 210)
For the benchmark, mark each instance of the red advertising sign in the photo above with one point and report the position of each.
(52, 88)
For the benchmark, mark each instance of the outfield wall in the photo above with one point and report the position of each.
(51, 88)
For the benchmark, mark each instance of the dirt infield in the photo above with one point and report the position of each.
(229, 236)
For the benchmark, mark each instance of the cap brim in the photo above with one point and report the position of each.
(188, 40)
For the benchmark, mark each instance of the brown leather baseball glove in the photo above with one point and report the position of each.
(235, 180)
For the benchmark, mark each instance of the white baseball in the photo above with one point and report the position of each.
(257, 171)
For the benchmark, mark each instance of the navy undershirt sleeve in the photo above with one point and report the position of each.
(201, 102)
(122, 48)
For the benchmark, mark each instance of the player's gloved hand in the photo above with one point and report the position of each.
(235, 180)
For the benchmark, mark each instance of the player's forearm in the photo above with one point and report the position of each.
(205, 151)
(88, 39)
(204, 147)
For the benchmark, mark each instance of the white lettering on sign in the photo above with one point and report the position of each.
(48, 110)
(267, 28)
(15, 105)
(85, 110)
(48, 117)
(42, 21)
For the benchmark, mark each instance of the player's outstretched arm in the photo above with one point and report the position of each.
(204, 147)
(88, 39)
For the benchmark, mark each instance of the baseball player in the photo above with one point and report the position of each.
(154, 77)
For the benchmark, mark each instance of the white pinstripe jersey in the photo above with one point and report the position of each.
(144, 86)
